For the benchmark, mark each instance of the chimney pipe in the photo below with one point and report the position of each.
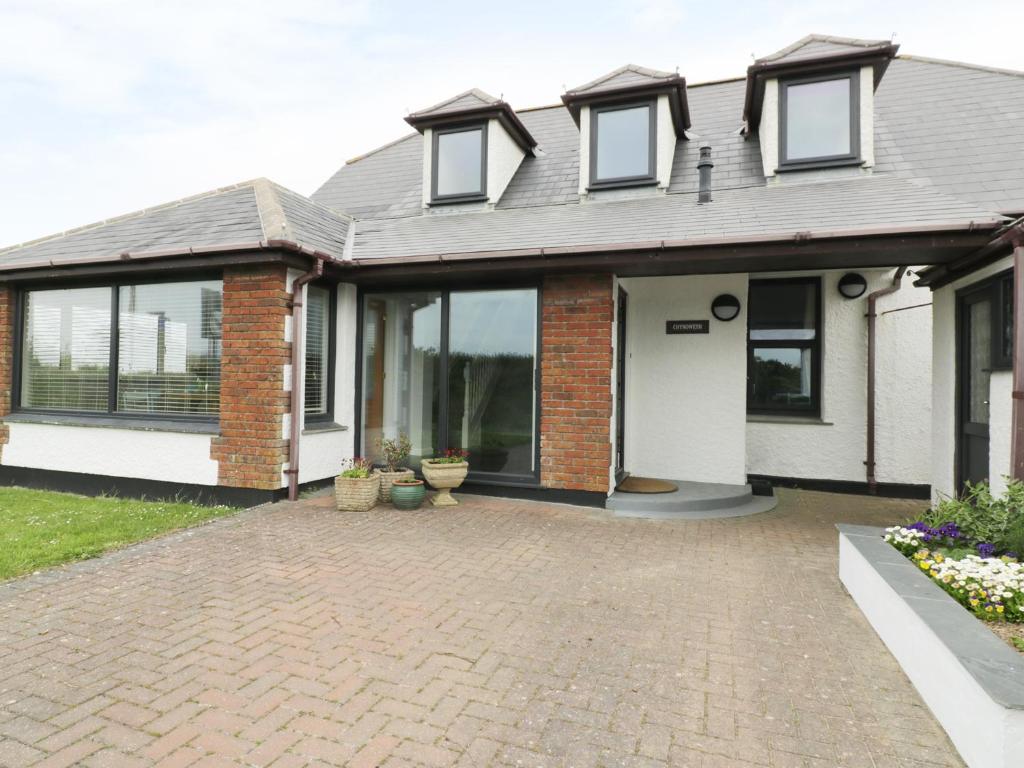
(704, 166)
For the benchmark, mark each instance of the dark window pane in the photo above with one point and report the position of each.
(979, 341)
(1006, 331)
(401, 371)
(169, 348)
(459, 162)
(492, 348)
(318, 304)
(781, 378)
(782, 310)
(66, 349)
(623, 143)
(818, 119)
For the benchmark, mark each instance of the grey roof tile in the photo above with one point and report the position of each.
(625, 76)
(814, 46)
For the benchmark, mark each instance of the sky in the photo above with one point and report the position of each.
(110, 106)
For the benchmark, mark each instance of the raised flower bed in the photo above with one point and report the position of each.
(924, 587)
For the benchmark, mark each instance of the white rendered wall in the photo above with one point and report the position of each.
(503, 159)
(174, 457)
(943, 474)
(685, 394)
(834, 447)
(613, 425)
(428, 157)
(867, 116)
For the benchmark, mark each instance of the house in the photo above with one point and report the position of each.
(707, 283)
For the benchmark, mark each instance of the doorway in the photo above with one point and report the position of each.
(620, 386)
(974, 371)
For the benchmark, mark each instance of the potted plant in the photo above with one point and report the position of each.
(395, 452)
(407, 493)
(444, 473)
(355, 489)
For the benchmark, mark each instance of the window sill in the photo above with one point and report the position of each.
(115, 422)
(458, 199)
(315, 428)
(814, 164)
(597, 186)
(768, 418)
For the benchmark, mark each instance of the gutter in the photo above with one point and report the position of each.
(295, 422)
(872, 316)
(941, 274)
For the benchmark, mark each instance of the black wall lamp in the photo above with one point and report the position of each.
(852, 285)
(725, 307)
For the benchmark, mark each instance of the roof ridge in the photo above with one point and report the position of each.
(961, 64)
(134, 214)
(647, 71)
(348, 217)
(479, 94)
(382, 147)
(816, 37)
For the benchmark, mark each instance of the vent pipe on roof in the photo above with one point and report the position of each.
(704, 166)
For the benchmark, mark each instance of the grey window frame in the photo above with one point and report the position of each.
(652, 145)
(825, 161)
(462, 197)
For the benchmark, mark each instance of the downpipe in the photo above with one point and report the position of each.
(872, 315)
(295, 422)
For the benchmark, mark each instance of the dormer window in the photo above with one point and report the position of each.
(819, 120)
(460, 163)
(623, 141)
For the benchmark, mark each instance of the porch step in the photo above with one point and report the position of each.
(692, 501)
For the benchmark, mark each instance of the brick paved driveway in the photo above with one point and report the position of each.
(497, 633)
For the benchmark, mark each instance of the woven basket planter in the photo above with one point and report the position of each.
(356, 494)
(387, 478)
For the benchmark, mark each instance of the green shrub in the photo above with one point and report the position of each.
(981, 516)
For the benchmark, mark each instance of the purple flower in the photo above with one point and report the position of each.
(985, 549)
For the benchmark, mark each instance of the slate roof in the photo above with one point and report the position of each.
(474, 98)
(816, 46)
(628, 76)
(247, 213)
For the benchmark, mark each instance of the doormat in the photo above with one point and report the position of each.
(633, 484)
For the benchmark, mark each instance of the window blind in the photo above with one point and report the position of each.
(318, 304)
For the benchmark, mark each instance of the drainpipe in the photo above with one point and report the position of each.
(1017, 417)
(296, 422)
(872, 316)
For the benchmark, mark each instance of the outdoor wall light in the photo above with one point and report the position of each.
(725, 307)
(852, 285)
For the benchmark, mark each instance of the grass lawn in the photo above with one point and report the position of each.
(43, 528)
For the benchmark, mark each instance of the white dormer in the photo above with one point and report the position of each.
(473, 144)
(629, 122)
(812, 104)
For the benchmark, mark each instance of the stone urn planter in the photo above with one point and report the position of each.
(444, 476)
(408, 493)
(356, 494)
(387, 478)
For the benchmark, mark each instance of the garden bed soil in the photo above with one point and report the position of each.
(1007, 632)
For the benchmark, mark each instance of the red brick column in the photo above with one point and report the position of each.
(7, 342)
(251, 448)
(576, 382)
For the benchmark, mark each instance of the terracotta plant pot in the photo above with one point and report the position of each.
(356, 494)
(387, 478)
(408, 494)
(444, 477)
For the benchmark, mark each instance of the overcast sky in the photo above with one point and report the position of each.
(109, 106)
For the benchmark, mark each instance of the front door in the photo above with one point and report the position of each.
(974, 369)
(620, 388)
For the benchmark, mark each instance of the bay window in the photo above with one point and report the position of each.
(147, 349)
(784, 346)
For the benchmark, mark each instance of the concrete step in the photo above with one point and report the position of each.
(692, 501)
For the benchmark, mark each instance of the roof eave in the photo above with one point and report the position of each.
(501, 111)
(674, 88)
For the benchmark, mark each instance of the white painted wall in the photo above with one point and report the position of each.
(503, 159)
(867, 116)
(685, 394)
(168, 456)
(943, 470)
(613, 426)
(834, 448)
(428, 164)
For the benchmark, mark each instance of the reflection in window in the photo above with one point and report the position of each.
(318, 337)
(491, 403)
(783, 346)
(169, 348)
(622, 143)
(66, 349)
(459, 162)
(401, 371)
(817, 120)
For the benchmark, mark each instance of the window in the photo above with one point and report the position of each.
(784, 346)
(165, 349)
(1002, 332)
(453, 369)
(622, 144)
(819, 120)
(319, 335)
(460, 163)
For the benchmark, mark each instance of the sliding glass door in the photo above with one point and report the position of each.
(454, 369)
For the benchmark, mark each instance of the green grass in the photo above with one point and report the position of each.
(42, 528)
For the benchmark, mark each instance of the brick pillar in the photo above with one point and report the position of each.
(7, 342)
(576, 382)
(251, 447)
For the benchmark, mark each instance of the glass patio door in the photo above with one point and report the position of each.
(454, 369)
